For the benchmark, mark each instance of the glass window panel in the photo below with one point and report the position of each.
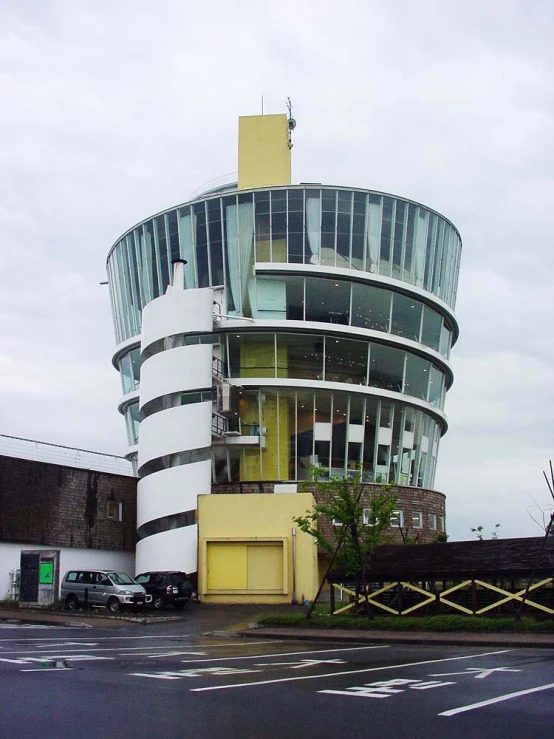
(151, 258)
(279, 237)
(126, 374)
(430, 249)
(368, 473)
(338, 436)
(345, 360)
(445, 339)
(262, 227)
(437, 262)
(134, 356)
(398, 239)
(343, 239)
(327, 300)
(358, 235)
(304, 440)
(394, 471)
(296, 237)
(296, 201)
(278, 201)
(300, 356)
(406, 317)
(173, 234)
(373, 231)
(386, 367)
(420, 246)
(344, 201)
(215, 241)
(312, 252)
(133, 422)
(431, 329)
(295, 298)
(359, 205)
(357, 410)
(417, 376)
(201, 246)
(162, 252)
(257, 355)
(370, 307)
(262, 201)
(386, 232)
(436, 384)
(409, 243)
(328, 200)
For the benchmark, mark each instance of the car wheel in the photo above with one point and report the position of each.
(71, 602)
(113, 605)
(158, 602)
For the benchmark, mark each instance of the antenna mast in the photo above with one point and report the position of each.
(291, 122)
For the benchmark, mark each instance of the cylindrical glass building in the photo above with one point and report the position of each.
(332, 329)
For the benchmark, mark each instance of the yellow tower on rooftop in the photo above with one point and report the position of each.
(264, 151)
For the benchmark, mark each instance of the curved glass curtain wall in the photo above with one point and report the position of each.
(341, 432)
(334, 359)
(223, 236)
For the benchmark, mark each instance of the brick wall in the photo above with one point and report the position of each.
(58, 506)
(410, 502)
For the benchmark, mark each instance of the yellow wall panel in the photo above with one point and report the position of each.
(264, 153)
(265, 567)
(227, 566)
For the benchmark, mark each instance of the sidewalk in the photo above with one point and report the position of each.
(42, 617)
(421, 638)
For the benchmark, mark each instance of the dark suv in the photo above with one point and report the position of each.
(166, 587)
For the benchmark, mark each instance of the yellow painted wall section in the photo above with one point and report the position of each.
(264, 153)
(244, 523)
(257, 359)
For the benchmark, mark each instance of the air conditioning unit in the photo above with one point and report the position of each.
(227, 399)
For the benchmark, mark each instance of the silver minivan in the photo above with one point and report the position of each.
(107, 588)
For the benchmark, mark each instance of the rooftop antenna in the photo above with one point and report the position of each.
(262, 104)
(291, 122)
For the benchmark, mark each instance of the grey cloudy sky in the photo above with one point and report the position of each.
(114, 109)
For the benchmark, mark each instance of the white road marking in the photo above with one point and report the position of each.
(303, 663)
(287, 654)
(51, 657)
(74, 657)
(498, 699)
(49, 669)
(386, 688)
(349, 672)
(69, 644)
(477, 672)
(169, 654)
(198, 672)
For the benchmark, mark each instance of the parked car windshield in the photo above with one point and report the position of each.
(121, 578)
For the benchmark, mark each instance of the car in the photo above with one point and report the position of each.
(108, 588)
(166, 587)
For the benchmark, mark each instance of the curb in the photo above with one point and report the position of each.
(80, 619)
(543, 641)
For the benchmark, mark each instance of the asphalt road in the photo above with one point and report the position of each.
(171, 680)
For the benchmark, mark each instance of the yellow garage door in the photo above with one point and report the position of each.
(226, 566)
(245, 567)
(265, 567)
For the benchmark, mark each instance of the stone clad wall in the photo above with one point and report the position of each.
(59, 506)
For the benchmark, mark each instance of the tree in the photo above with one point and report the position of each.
(357, 524)
(478, 531)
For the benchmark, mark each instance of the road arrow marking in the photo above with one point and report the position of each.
(479, 673)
